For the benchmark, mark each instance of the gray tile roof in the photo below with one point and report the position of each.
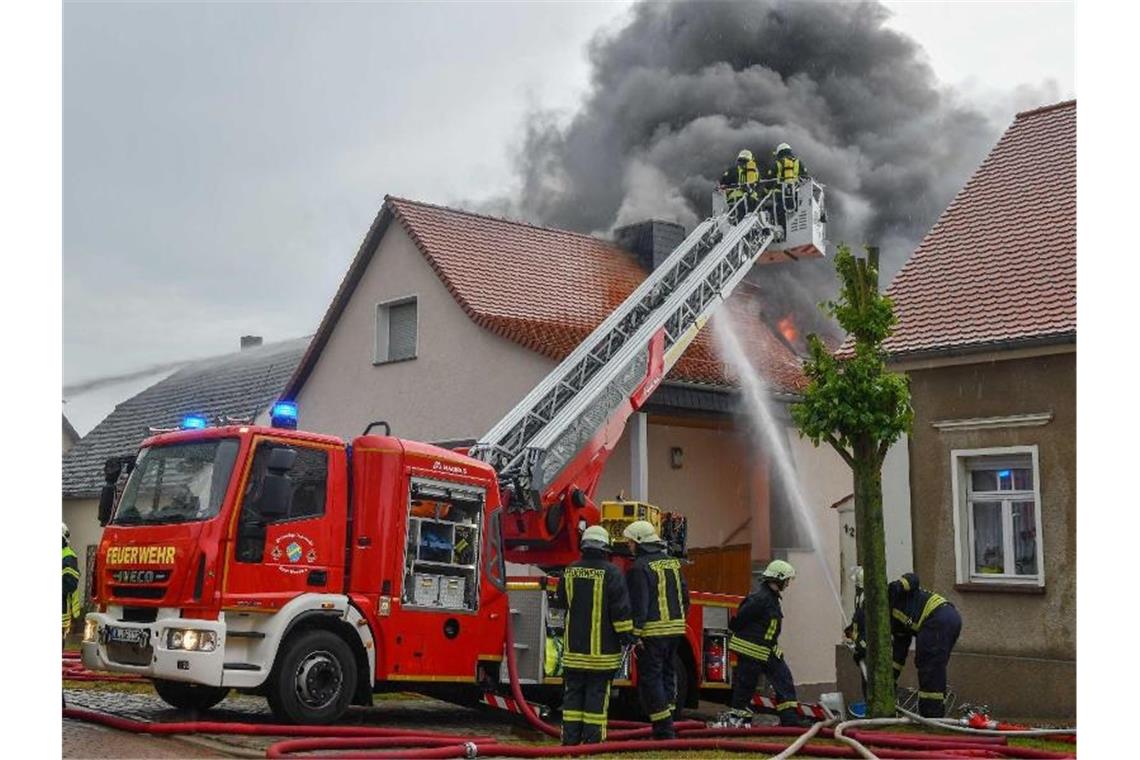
(241, 384)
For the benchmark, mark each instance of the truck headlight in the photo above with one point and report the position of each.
(191, 639)
(90, 629)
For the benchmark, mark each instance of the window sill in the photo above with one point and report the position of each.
(1000, 588)
(379, 362)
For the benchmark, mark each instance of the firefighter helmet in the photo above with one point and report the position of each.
(779, 570)
(596, 537)
(641, 532)
(66, 533)
(857, 576)
(744, 155)
(782, 147)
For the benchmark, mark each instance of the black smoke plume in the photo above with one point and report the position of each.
(678, 91)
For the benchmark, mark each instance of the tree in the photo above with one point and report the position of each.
(858, 407)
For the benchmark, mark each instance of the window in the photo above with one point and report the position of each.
(181, 482)
(998, 516)
(308, 479)
(396, 330)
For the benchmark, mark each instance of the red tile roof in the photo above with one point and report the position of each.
(545, 289)
(999, 268)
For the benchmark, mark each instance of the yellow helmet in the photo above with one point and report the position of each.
(744, 154)
(641, 532)
(595, 537)
(778, 570)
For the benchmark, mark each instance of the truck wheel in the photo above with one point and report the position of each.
(313, 680)
(189, 696)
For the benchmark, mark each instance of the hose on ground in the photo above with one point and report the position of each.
(953, 725)
(417, 744)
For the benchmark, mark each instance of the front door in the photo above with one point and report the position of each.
(278, 551)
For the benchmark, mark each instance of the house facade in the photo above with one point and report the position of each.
(987, 338)
(446, 319)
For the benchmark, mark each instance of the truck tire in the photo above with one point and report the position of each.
(313, 680)
(189, 696)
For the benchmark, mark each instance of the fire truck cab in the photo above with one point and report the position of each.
(300, 567)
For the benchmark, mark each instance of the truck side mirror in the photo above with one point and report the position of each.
(276, 494)
(106, 504)
(281, 460)
(112, 468)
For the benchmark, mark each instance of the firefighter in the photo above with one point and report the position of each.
(755, 635)
(783, 179)
(71, 609)
(660, 601)
(598, 628)
(742, 182)
(856, 633)
(935, 623)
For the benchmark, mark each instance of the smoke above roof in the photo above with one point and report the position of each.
(678, 91)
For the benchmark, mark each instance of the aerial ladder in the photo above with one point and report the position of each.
(550, 449)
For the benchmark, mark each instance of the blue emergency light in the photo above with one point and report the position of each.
(284, 415)
(194, 422)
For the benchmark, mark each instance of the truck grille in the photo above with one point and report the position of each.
(129, 654)
(139, 592)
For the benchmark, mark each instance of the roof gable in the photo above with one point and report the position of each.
(542, 288)
(241, 384)
(999, 267)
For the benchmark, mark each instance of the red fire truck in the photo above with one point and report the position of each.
(318, 571)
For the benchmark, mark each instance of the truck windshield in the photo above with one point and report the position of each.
(180, 482)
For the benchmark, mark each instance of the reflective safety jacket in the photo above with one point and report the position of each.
(756, 627)
(739, 176)
(71, 609)
(856, 630)
(598, 621)
(911, 605)
(657, 593)
(788, 168)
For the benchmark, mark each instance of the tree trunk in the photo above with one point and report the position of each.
(871, 541)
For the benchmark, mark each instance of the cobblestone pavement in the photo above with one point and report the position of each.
(409, 712)
(83, 740)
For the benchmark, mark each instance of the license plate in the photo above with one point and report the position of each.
(139, 637)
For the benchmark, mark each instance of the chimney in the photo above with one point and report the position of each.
(250, 341)
(652, 241)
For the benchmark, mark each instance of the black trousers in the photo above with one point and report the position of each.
(747, 675)
(585, 705)
(933, 644)
(657, 681)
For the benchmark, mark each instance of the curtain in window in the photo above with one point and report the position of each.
(988, 545)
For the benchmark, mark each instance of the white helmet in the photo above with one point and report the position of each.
(744, 154)
(66, 533)
(857, 576)
(782, 147)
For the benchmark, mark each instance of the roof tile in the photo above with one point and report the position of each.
(1000, 263)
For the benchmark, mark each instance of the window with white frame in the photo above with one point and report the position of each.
(998, 516)
(397, 330)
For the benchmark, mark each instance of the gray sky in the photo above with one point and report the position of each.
(223, 161)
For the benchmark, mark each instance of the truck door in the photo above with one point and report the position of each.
(295, 544)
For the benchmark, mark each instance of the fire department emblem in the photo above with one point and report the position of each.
(292, 548)
(293, 551)
(276, 553)
(311, 557)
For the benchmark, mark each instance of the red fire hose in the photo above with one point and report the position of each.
(631, 737)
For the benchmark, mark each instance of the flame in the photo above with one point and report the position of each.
(788, 329)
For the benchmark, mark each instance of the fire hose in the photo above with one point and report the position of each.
(630, 737)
